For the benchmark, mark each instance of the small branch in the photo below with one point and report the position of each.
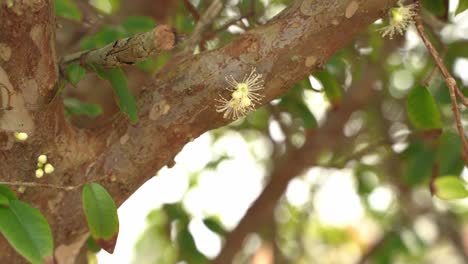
(127, 51)
(48, 185)
(192, 10)
(205, 21)
(227, 25)
(449, 80)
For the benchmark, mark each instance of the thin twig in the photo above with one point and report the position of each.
(205, 21)
(48, 185)
(192, 10)
(449, 80)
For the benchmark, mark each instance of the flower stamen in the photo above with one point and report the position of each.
(244, 95)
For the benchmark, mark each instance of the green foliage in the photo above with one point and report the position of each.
(76, 73)
(138, 24)
(450, 187)
(437, 7)
(423, 112)
(293, 101)
(67, 9)
(418, 159)
(7, 192)
(449, 154)
(188, 249)
(91, 245)
(106, 6)
(214, 225)
(101, 213)
(77, 107)
(26, 230)
(155, 245)
(330, 86)
(4, 201)
(105, 36)
(392, 247)
(462, 6)
(125, 99)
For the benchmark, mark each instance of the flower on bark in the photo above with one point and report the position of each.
(244, 95)
(400, 18)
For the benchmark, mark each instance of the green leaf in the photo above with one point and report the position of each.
(187, 246)
(91, 245)
(27, 231)
(4, 201)
(137, 24)
(437, 7)
(77, 107)
(125, 99)
(300, 109)
(422, 109)
(67, 9)
(105, 36)
(418, 159)
(7, 192)
(76, 73)
(462, 6)
(101, 215)
(214, 225)
(106, 6)
(330, 86)
(449, 154)
(450, 187)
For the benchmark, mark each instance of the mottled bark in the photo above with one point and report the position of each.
(175, 107)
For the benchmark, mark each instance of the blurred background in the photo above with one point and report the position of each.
(364, 199)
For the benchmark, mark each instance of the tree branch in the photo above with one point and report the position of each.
(127, 51)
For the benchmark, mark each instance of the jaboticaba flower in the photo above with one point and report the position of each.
(48, 168)
(39, 173)
(400, 18)
(21, 136)
(42, 159)
(244, 96)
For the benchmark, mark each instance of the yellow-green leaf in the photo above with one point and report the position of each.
(462, 6)
(101, 215)
(450, 187)
(76, 73)
(67, 9)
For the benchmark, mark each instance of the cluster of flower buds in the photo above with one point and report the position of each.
(43, 166)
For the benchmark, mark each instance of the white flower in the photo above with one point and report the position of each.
(21, 136)
(244, 96)
(400, 19)
(48, 168)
